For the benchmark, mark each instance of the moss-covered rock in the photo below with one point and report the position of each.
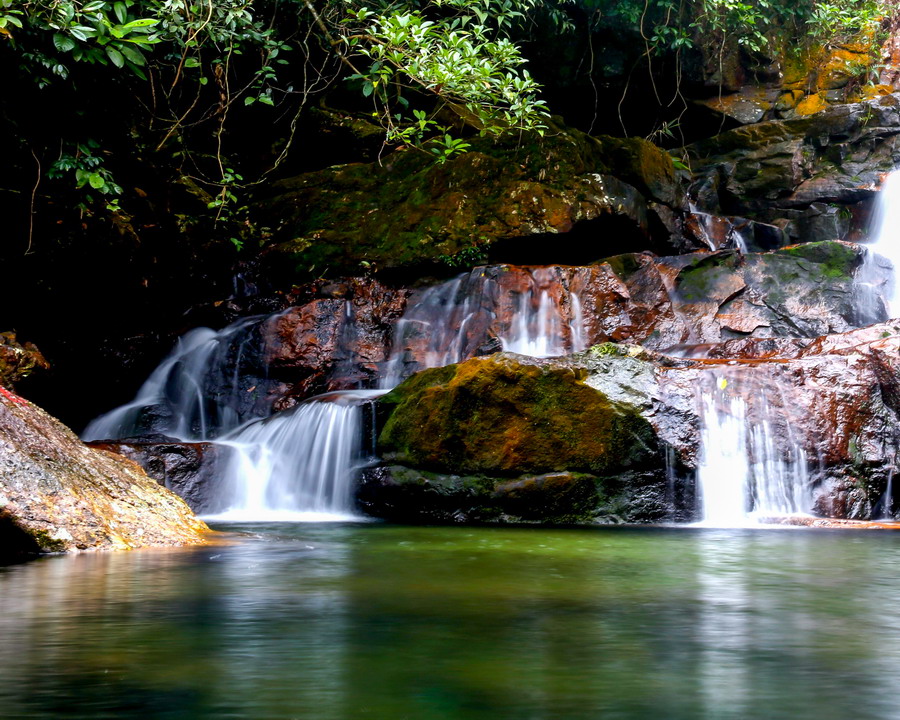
(506, 415)
(407, 210)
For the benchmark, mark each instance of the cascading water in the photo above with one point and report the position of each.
(531, 313)
(751, 467)
(876, 286)
(299, 464)
(207, 386)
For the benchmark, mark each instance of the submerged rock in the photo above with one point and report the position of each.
(403, 494)
(57, 494)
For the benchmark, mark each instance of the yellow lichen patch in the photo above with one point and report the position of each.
(872, 91)
(788, 100)
(840, 67)
(811, 104)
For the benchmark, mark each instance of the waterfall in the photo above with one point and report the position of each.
(531, 311)
(751, 465)
(206, 386)
(876, 287)
(297, 464)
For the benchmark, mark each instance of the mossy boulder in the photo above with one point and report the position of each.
(506, 415)
(646, 166)
(407, 210)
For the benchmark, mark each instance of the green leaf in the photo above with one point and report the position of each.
(96, 181)
(191, 62)
(133, 54)
(63, 43)
(249, 100)
(266, 100)
(142, 23)
(121, 11)
(117, 58)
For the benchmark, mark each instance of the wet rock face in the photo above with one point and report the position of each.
(56, 494)
(834, 396)
(348, 334)
(190, 470)
(336, 340)
(791, 171)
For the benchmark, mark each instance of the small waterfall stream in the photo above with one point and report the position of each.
(207, 386)
(751, 465)
(875, 301)
(297, 464)
(531, 313)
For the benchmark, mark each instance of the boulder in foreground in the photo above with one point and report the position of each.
(58, 495)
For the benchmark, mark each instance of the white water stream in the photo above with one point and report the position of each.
(883, 256)
(751, 466)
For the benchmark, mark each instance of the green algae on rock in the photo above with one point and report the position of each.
(406, 210)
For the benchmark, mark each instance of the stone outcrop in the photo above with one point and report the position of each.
(190, 470)
(406, 211)
(58, 495)
(798, 173)
(476, 442)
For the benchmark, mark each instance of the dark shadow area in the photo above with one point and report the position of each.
(16, 545)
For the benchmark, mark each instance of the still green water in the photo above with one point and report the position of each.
(379, 621)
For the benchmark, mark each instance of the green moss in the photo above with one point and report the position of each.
(607, 349)
(47, 542)
(698, 281)
(834, 260)
(499, 417)
(624, 266)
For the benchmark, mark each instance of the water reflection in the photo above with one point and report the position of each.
(377, 621)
